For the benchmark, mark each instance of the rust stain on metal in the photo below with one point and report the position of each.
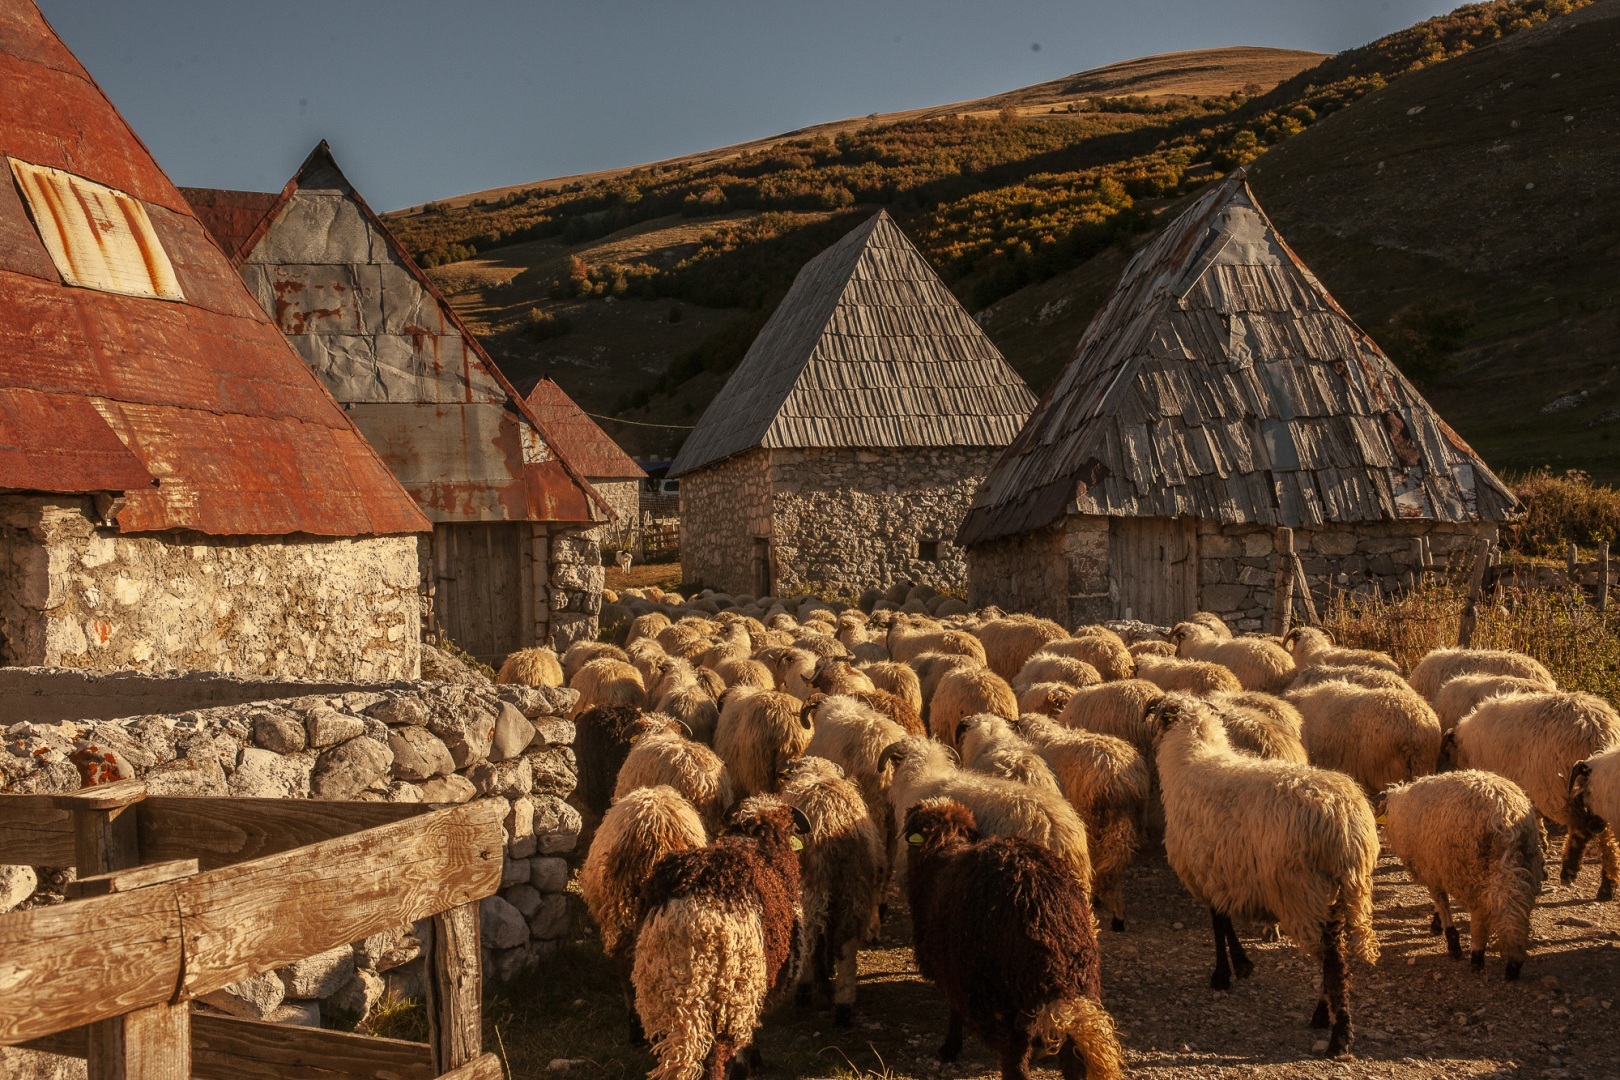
(58, 442)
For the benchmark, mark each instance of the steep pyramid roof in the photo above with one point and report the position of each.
(1220, 381)
(581, 439)
(868, 349)
(131, 356)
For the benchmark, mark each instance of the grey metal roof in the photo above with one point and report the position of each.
(1221, 381)
(868, 349)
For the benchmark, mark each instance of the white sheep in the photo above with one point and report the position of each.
(1458, 697)
(1311, 646)
(1440, 666)
(1010, 641)
(1262, 726)
(967, 692)
(1050, 667)
(1377, 737)
(666, 758)
(606, 681)
(1196, 677)
(992, 747)
(758, 732)
(1257, 663)
(1103, 649)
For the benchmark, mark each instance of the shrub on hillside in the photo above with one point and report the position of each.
(543, 325)
(1561, 509)
(1423, 338)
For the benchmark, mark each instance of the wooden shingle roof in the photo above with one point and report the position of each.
(1221, 381)
(868, 349)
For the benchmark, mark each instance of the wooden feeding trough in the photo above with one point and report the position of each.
(178, 897)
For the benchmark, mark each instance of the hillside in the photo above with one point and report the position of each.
(640, 292)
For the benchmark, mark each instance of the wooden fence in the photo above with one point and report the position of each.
(659, 536)
(178, 897)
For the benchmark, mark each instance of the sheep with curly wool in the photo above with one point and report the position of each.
(1377, 737)
(660, 755)
(966, 692)
(694, 708)
(789, 664)
(1257, 663)
(1374, 678)
(834, 677)
(1010, 641)
(1213, 623)
(1458, 697)
(603, 736)
(907, 642)
(1050, 667)
(853, 736)
(1310, 647)
(1109, 785)
(1262, 726)
(647, 626)
(1002, 929)
(932, 667)
(720, 939)
(992, 747)
(758, 732)
(581, 653)
(531, 667)
(1117, 708)
(1272, 841)
(1473, 837)
(641, 827)
(1594, 792)
(1101, 648)
(843, 874)
(898, 679)
(748, 672)
(605, 681)
(1536, 740)
(894, 708)
(1045, 698)
(1440, 666)
(1151, 648)
(1196, 677)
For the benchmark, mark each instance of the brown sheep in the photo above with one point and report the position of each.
(1045, 699)
(531, 667)
(1049, 667)
(758, 732)
(1194, 677)
(898, 679)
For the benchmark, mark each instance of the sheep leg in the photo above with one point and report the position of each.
(951, 1048)
(1611, 864)
(1437, 920)
(1443, 921)
(1574, 847)
(844, 983)
(718, 1065)
(1479, 933)
(636, 1036)
(1241, 966)
(1015, 1054)
(1336, 987)
(1222, 977)
(1115, 897)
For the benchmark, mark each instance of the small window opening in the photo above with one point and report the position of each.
(928, 551)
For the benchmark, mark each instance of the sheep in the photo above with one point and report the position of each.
(647, 657)
(843, 874)
(758, 732)
(898, 679)
(1101, 648)
(663, 756)
(1262, 726)
(1268, 840)
(822, 646)
(1151, 648)
(649, 626)
(602, 739)
(965, 692)
(1118, 708)
(1211, 622)
(1471, 836)
(694, 708)
(990, 746)
(1107, 782)
(1440, 666)
(1196, 677)
(907, 643)
(932, 667)
(720, 937)
(834, 677)
(674, 674)
(1006, 934)
(581, 653)
(746, 673)
(1257, 663)
(1310, 647)
(1458, 697)
(1371, 677)
(853, 736)
(789, 665)
(1045, 698)
(709, 682)
(923, 770)
(1536, 740)
(1009, 642)
(531, 667)
(605, 681)
(1049, 667)
(896, 709)
(1377, 737)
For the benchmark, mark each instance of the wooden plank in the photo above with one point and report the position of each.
(226, 1048)
(73, 964)
(136, 877)
(1282, 585)
(221, 831)
(114, 796)
(153, 1043)
(104, 840)
(244, 919)
(483, 1067)
(1476, 586)
(33, 834)
(454, 987)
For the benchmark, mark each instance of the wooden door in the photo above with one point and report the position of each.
(762, 566)
(1153, 568)
(480, 590)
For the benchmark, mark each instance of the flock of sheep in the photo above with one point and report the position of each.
(764, 780)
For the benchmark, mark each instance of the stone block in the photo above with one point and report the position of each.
(187, 776)
(254, 998)
(448, 789)
(1220, 547)
(262, 774)
(466, 732)
(1253, 575)
(17, 883)
(508, 779)
(320, 975)
(1258, 545)
(554, 770)
(350, 768)
(297, 1014)
(1223, 598)
(502, 926)
(520, 841)
(389, 949)
(554, 730)
(514, 872)
(355, 999)
(549, 875)
(550, 920)
(524, 897)
(1333, 542)
(278, 734)
(400, 712)
(419, 754)
(507, 964)
(402, 791)
(556, 824)
(325, 726)
(513, 733)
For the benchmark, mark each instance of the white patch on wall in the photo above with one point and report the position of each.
(98, 237)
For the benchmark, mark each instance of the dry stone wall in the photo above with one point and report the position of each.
(624, 497)
(76, 594)
(573, 599)
(436, 743)
(724, 508)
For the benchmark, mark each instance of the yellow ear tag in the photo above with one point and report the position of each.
(633, 739)
(1382, 820)
(915, 839)
(798, 845)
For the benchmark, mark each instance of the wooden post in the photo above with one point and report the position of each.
(1603, 576)
(1574, 566)
(454, 987)
(1416, 577)
(152, 1043)
(1282, 587)
(1304, 588)
(1470, 614)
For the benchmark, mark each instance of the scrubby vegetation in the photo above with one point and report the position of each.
(1562, 509)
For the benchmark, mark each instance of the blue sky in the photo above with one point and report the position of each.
(422, 100)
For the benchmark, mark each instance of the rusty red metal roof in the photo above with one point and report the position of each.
(590, 448)
(204, 393)
(232, 217)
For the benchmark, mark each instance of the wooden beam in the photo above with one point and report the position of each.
(220, 831)
(151, 1043)
(1304, 588)
(251, 917)
(1603, 576)
(104, 840)
(34, 834)
(1476, 586)
(1282, 586)
(136, 877)
(483, 1067)
(452, 977)
(114, 796)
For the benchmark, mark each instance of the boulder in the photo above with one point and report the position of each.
(400, 712)
(520, 841)
(556, 825)
(554, 771)
(254, 998)
(350, 768)
(187, 776)
(549, 875)
(262, 774)
(513, 733)
(278, 734)
(448, 789)
(17, 883)
(356, 998)
(508, 779)
(550, 920)
(419, 754)
(502, 926)
(526, 898)
(467, 732)
(325, 726)
(320, 975)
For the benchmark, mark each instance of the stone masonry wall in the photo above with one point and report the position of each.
(76, 594)
(849, 520)
(624, 496)
(573, 596)
(724, 507)
(432, 742)
(1025, 572)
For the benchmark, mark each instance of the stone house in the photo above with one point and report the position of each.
(177, 491)
(611, 471)
(512, 560)
(844, 449)
(1218, 394)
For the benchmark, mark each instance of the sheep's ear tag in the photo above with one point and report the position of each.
(798, 845)
(1382, 820)
(915, 839)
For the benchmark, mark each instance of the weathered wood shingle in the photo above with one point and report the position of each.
(868, 349)
(1221, 381)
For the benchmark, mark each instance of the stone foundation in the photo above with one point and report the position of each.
(573, 597)
(76, 594)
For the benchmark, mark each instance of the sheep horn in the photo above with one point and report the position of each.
(801, 824)
(1331, 639)
(804, 713)
(684, 726)
(893, 752)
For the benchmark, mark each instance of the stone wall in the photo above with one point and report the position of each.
(848, 520)
(724, 507)
(428, 743)
(624, 496)
(573, 594)
(47, 695)
(1024, 572)
(76, 594)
